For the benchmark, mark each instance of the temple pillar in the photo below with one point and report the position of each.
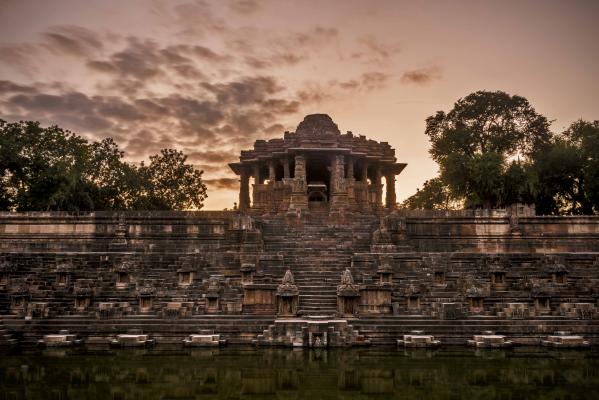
(299, 194)
(351, 200)
(364, 177)
(338, 195)
(390, 198)
(378, 186)
(244, 191)
(350, 169)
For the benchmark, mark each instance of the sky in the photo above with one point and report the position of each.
(211, 77)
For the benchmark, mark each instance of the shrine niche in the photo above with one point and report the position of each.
(412, 294)
(348, 295)
(385, 273)
(186, 271)
(497, 270)
(146, 295)
(63, 272)
(437, 266)
(541, 293)
(559, 272)
(248, 270)
(287, 296)
(83, 293)
(19, 298)
(213, 295)
(6, 268)
(125, 273)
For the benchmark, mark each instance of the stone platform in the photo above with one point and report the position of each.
(280, 279)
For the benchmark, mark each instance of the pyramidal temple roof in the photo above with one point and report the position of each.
(317, 123)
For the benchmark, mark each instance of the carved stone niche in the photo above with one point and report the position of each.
(385, 273)
(437, 264)
(63, 272)
(213, 296)
(19, 298)
(125, 274)
(558, 272)
(146, 295)
(412, 294)
(6, 268)
(248, 270)
(287, 296)
(476, 296)
(541, 294)
(186, 273)
(497, 270)
(348, 295)
(382, 239)
(83, 293)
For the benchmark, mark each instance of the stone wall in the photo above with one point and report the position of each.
(170, 272)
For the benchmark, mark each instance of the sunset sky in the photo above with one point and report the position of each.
(210, 77)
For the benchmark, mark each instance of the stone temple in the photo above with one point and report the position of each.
(316, 167)
(314, 257)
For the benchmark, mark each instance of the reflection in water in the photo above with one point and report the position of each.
(248, 373)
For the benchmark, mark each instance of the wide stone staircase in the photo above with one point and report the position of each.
(317, 250)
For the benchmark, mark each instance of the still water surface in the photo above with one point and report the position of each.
(248, 373)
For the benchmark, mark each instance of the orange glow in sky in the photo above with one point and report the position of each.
(210, 77)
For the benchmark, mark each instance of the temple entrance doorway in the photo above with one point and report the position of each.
(318, 177)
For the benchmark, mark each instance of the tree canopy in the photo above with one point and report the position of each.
(54, 169)
(493, 149)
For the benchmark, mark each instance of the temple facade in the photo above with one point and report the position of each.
(317, 168)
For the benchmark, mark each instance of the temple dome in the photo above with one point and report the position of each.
(317, 124)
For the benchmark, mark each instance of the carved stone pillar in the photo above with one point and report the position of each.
(378, 186)
(364, 177)
(390, 198)
(244, 191)
(299, 195)
(350, 169)
(338, 194)
(300, 168)
(256, 173)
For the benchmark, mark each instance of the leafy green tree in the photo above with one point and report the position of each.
(53, 169)
(567, 174)
(434, 195)
(169, 183)
(476, 143)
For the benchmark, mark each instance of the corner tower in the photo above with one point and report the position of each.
(317, 168)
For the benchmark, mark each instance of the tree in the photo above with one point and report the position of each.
(169, 183)
(567, 174)
(434, 195)
(53, 169)
(485, 137)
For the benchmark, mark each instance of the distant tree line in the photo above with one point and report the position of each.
(55, 169)
(494, 149)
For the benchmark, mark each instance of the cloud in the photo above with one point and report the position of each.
(421, 76)
(227, 115)
(222, 183)
(245, 7)
(245, 91)
(143, 59)
(72, 40)
(21, 57)
(372, 50)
